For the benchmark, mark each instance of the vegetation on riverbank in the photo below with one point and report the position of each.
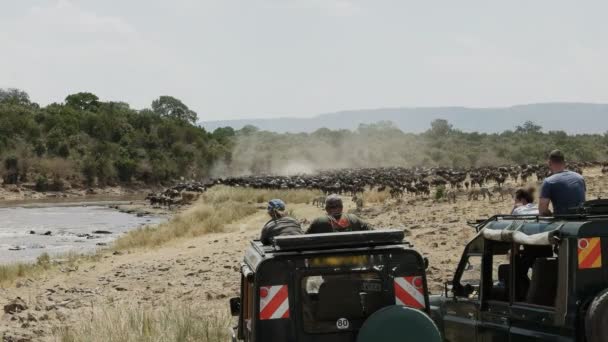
(211, 213)
(9, 273)
(87, 142)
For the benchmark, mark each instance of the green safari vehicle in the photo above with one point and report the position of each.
(338, 287)
(530, 279)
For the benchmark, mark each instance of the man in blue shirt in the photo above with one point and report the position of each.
(564, 189)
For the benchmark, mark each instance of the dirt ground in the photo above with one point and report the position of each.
(205, 269)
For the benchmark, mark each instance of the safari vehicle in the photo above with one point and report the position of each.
(339, 287)
(530, 279)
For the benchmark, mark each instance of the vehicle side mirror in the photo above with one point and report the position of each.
(426, 263)
(235, 306)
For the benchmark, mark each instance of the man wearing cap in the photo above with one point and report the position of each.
(563, 189)
(280, 223)
(335, 220)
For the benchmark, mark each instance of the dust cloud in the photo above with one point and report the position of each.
(288, 154)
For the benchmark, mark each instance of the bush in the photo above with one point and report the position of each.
(42, 184)
(126, 169)
(57, 185)
(440, 192)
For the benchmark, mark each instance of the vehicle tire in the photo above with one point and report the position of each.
(399, 324)
(596, 319)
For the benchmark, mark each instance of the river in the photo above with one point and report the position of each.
(28, 230)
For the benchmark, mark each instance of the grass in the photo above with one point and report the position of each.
(9, 273)
(375, 196)
(209, 214)
(166, 322)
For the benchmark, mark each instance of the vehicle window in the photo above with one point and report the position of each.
(471, 278)
(341, 302)
(536, 275)
(501, 283)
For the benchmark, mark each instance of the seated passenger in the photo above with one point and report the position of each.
(336, 220)
(564, 189)
(524, 202)
(279, 224)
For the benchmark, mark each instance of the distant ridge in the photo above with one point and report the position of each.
(575, 118)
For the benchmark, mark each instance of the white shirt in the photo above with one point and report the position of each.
(528, 209)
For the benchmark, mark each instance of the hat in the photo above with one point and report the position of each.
(333, 201)
(557, 156)
(276, 204)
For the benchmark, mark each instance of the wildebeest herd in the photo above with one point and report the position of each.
(478, 183)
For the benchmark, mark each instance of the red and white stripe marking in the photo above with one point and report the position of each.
(274, 302)
(409, 291)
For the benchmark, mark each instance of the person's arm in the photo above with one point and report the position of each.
(545, 198)
(543, 207)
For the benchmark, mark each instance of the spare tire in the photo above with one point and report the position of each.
(596, 319)
(399, 324)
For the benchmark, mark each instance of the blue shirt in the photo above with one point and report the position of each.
(565, 190)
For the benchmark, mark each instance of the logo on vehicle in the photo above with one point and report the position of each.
(409, 291)
(590, 253)
(274, 302)
(342, 324)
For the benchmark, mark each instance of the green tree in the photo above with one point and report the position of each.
(83, 101)
(440, 128)
(529, 127)
(14, 96)
(169, 106)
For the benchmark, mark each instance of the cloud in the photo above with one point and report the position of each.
(326, 7)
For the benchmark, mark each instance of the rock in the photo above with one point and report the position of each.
(102, 232)
(32, 232)
(15, 248)
(120, 289)
(15, 306)
(101, 244)
(48, 233)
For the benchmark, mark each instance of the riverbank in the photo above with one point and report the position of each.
(10, 193)
(175, 273)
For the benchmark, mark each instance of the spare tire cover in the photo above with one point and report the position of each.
(399, 324)
(596, 320)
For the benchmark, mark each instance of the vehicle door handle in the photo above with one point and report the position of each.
(470, 315)
(504, 320)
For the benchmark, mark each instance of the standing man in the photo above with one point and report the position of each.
(564, 189)
(336, 221)
(280, 223)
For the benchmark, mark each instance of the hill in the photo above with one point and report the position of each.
(573, 118)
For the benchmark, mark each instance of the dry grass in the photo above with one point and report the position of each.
(9, 273)
(166, 322)
(374, 196)
(209, 214)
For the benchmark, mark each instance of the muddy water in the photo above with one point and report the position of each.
(28, 230)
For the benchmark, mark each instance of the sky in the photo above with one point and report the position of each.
(235, 59)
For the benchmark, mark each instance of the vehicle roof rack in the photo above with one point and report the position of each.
(338, 240)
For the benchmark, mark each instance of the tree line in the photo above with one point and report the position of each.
(84, 141)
